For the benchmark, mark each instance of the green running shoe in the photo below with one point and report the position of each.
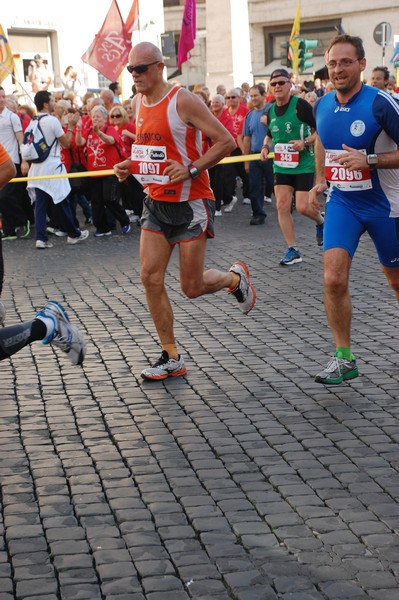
(337, 371)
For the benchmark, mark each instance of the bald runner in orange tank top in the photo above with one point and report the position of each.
(179, 209)
(161, 135)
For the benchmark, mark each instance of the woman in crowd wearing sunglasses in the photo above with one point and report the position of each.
(103, 151)
(131, 191)
(119, 119)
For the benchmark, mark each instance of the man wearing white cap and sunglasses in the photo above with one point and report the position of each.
(291, 128)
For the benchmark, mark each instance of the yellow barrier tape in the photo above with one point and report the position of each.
(225, 161)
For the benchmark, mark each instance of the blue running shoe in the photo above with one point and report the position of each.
(291, 257)
(64, 335)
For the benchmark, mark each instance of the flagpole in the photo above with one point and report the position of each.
(132, 25)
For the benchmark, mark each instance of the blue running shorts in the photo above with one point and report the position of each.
(344, 225)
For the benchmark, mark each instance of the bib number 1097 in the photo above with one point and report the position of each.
(148, 164)
(149, 168)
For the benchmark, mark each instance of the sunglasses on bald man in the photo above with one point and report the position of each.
(140, 68)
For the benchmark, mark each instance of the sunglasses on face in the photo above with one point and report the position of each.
(230, 97)
(115, 116)
(280, 83)
(140, 68)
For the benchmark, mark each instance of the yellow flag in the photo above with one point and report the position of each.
(6, 59)
(294, 43)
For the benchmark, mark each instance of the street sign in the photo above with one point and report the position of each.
(382, 33)
(169, 49)
(382, 36)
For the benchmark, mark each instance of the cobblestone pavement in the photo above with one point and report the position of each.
(245, 479)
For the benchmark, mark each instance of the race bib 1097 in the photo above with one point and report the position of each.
(149, 163)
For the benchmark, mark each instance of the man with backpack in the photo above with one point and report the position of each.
(41, 147)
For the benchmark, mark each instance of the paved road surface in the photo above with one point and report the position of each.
(245, 479)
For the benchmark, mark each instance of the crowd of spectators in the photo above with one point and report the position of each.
(102, 136)
(104, 133)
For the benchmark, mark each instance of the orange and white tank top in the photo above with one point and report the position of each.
(161, 135)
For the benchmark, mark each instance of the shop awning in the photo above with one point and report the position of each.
(318, 63)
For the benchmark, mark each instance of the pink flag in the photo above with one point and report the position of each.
(188, 32)
(132, 21)
(110, 49)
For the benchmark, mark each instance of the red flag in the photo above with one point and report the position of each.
(132, 21)
(110, 49)
(188, 32)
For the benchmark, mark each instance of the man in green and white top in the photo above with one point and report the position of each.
(291, 128)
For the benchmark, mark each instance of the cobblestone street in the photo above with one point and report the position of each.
(244, 480)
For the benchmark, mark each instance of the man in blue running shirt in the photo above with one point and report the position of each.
(357, 153)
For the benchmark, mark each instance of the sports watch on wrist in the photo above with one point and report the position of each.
(193, 171)
(372, 160)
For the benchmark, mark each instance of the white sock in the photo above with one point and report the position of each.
(49, 323)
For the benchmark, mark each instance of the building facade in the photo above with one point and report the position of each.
(237, 40)
(270, 23)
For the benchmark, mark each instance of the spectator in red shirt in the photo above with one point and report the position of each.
(26, 114)
(223, 176)
(119, 119)
(131, 191)
(103, 151)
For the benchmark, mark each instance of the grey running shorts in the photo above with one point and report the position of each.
(179, 221)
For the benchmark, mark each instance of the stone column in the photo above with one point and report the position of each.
(227, 43)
